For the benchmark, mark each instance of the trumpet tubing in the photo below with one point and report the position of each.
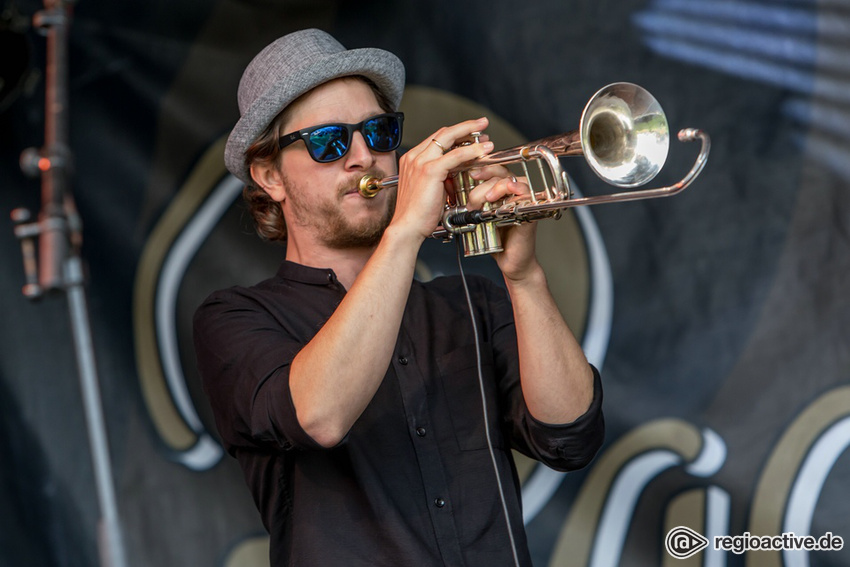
(623, 136)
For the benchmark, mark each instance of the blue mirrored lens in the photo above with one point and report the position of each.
(328, 143)
(383, 133)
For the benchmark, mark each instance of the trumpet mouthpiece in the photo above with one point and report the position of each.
(369, 186)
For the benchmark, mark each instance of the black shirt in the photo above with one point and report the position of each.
(413, 482)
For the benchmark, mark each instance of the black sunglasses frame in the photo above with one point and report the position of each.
(305, 133)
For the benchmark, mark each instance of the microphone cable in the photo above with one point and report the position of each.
(484, 402)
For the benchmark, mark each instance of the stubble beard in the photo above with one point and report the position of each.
(332, 227)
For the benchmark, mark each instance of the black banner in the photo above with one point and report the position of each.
(720, 318)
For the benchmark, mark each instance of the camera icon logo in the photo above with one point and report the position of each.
(683, 542)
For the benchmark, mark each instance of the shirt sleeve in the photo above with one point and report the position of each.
(562, 447)
(244, 355)
(570, 446)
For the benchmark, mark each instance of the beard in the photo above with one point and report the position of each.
(329, 223)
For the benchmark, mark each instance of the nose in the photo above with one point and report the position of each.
(359, 155)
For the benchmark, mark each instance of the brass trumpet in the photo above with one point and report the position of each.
(623, 136)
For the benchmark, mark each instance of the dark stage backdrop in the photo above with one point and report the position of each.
(720, 318)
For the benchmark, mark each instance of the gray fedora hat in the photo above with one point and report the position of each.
(289, 67)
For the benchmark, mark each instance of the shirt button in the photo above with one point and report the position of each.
(439, 502)
(402, 360)
(420, 431)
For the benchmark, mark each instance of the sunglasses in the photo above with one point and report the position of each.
(330, 142)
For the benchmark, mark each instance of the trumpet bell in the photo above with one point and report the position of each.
(624, 135)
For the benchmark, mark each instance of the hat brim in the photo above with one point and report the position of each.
(381, 67)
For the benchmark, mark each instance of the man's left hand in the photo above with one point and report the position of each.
(518, 260)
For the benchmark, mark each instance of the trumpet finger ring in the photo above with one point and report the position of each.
(439, 145)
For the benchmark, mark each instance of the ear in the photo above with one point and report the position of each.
(268, 177)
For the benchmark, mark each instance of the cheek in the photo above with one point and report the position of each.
(295, 159)
(304, 176)
(388, 163)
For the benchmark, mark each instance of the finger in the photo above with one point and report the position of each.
(460, 155)
(439, 145)
(490, 171)
(442, 141)
(472, 138)
(455, 135)
(495, 189)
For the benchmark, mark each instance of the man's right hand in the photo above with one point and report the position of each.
(423, 172)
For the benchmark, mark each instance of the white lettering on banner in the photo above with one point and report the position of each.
(595, 531)
(808, 485)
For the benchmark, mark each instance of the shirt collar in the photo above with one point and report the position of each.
(306, 274)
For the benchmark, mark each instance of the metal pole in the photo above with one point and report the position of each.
(58, 266)
(110, 541)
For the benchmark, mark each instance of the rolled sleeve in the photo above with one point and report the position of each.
(563, 447)
(569, 446)
(244, 356)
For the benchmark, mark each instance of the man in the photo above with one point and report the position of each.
(348, 392)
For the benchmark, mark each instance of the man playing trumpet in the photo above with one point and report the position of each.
(350, 394)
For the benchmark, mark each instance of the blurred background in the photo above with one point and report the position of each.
(720, 318)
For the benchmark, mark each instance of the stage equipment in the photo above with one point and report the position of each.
(623, 136)
(53, 263)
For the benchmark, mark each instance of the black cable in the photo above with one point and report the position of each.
(484, 403)
(467, 217)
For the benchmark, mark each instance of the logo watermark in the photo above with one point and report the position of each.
(683, 542)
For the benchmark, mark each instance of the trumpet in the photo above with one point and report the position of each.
(624, 137)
